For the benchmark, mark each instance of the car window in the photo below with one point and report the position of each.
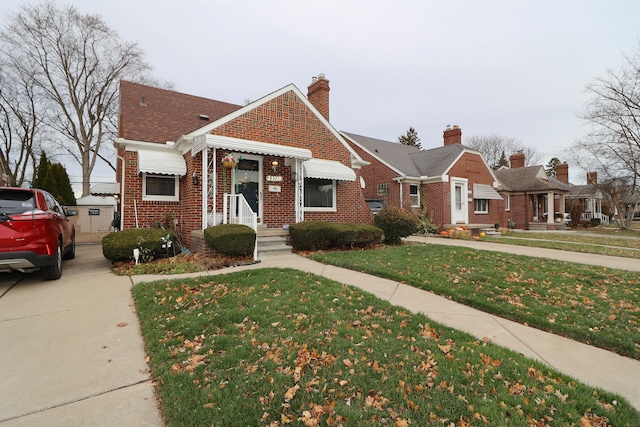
(52, 204)
(16, 201)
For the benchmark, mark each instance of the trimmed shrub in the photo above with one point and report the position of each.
(396, 223)
(119, 245)
(319, 235)
(231, 239)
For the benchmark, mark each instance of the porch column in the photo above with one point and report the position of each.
(205, 190)
(562, 206)
(551, 212)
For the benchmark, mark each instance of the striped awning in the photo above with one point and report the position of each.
(483, 191)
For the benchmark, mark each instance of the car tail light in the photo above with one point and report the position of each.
(33, 215)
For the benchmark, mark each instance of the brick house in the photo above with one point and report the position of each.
(452, 183)
(530, 194)
(290, 165)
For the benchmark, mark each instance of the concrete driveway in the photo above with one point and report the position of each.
(71, 350)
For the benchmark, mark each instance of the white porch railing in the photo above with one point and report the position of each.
(237, 211)
(586, 216)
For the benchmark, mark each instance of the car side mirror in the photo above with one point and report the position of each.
(71, 212)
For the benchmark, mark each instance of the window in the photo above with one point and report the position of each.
(507, 202)
(414, 195)
(160, 187)
(319, 194)
(481, 206)
(383, 189)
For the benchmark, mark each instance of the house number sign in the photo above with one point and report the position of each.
(274, 178)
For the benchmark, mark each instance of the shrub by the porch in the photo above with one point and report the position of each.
(396, 223)
(318, 235)
(119, 245)
(231, 239)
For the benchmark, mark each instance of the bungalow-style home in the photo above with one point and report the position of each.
(452, 184)
(589, 199)
(533, 200)
(199, 162)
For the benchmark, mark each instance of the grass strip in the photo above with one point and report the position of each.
(279, 346)
(588, 248)
(593, 305)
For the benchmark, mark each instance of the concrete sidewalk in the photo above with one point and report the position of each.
(71, 350)
(591, 365)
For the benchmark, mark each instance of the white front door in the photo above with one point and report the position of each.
(459, 204)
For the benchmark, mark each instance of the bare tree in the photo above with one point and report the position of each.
(77, 61)
(611, 146)
(494, 147)
(20, 127)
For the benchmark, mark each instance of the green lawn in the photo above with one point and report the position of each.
(594, 305)
(272, 347)
(608, 243)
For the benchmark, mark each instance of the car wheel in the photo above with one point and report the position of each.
(53, 272)
(71, 252)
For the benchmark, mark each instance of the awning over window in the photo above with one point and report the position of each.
(164, 162)
(105, 189)
(328, 169)
(483, 191)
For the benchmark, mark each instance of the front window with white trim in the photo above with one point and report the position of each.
(160, 187)
(319, 194)
(414, 195)
(481, 206)
(507, 202)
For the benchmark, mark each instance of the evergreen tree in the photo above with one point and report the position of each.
(410, 138)
(550, 169)
(502, 162)
(41, 172)
(56, 181)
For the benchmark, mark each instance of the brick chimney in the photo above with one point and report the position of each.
(318, 94)
(592, 178)
(452, 135)
(516, 160)
(562, 172)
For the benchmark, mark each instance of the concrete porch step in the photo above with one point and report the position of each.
(273, 243)
(491, 231)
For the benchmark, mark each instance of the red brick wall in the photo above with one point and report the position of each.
(378, 173)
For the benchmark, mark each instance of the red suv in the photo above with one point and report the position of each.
(35, 232)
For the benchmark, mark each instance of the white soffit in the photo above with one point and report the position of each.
(328, 169)
(164, 162)
(483, 191)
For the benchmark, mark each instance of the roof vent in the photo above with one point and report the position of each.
(203, 117)
(143, 103)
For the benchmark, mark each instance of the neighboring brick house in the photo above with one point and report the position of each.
(588, 199)
(452, 183)
(291, 163)
(530, 194)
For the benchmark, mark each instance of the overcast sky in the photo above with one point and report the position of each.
(510, 68)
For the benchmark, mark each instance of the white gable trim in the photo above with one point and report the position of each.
(400, 173)
(356, 159)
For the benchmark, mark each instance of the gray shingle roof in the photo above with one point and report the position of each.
(411, 161)
(529, 179)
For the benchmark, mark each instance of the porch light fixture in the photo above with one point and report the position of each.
(194, 178)
(274, 165)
